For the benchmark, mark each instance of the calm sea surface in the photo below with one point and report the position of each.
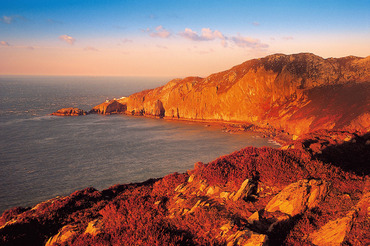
(43, 156)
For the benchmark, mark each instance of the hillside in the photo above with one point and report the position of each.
(296, 93)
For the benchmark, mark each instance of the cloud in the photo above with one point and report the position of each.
(4, 43)
(10, 19)
(90, 48)
(245, 42)
(67, 39)
(255, 23)
(207, 35)
(224, 43)
(159, 32)
(288, 38)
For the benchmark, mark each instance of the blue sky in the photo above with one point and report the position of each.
(175, 38)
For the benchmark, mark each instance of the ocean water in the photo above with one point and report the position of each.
(43, 156)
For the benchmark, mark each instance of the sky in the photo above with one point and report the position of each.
(172, 38)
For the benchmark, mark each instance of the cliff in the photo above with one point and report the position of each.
(302, 194)
(296, 93)
(109, 107)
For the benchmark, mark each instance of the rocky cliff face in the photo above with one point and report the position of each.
(298, 93)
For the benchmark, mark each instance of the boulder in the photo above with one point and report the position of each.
(298, 197)
(334, 232)
(247, 188)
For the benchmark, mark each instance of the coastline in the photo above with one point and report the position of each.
(315, 189)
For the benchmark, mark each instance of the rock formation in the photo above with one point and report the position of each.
(109, 107)
(69, 112)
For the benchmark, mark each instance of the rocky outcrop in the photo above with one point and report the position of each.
(69, 112)
(334, 232)
(298, 197)
(109, 107)
(296, 93)
(63, 235)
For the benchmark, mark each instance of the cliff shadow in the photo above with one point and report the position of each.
(353, 155)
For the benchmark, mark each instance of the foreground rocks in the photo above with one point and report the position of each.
(255, 196)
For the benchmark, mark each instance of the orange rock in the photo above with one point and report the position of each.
(69, 112)
(109, 107)
(299, 196)
(297, 93)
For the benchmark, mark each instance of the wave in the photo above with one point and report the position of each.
(37, 118)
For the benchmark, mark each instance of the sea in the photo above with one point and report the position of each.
(44, 156)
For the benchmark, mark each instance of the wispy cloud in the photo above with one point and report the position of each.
(67, 39)
(255, 23)
(207, 34)
(288, 38)
(4, 43)
(159, 32)
(90, 48)
(245, 42)
(10, 19)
